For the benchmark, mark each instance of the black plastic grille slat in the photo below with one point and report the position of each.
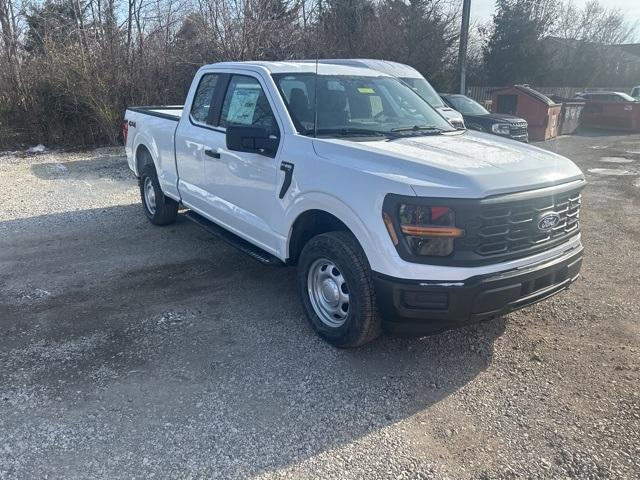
(519, 128)
(512, 227)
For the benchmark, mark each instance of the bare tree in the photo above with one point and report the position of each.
(9, 33)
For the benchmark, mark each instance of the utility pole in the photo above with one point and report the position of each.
(464, 39)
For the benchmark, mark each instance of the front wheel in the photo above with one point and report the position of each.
(337, 291)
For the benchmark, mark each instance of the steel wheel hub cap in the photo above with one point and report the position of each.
(149, 196)
(328, 293)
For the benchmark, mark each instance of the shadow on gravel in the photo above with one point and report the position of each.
(107, 166)
(174, 346)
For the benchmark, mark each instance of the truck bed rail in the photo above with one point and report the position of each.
(162, 111)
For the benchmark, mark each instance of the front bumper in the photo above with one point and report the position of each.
(411, 307)
(522, 137)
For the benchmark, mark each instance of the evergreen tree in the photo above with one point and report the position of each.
(514, 52)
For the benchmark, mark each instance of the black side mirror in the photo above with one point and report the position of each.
(242, 138)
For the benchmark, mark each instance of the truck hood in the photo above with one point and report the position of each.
(456, 165)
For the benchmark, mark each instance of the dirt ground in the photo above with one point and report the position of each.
(134, 351)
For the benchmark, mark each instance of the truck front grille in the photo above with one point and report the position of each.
(518, 129)
(510, 227)
(500, 228)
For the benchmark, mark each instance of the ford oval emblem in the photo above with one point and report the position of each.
(548, 221)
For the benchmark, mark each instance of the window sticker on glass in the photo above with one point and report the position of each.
(366, 90)
(243, 106)
(376, 105)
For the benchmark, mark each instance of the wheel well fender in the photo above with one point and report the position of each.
(144, 152)
(320, 219)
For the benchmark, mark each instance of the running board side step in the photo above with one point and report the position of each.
(234, 240)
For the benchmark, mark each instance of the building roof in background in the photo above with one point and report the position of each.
(629, 51)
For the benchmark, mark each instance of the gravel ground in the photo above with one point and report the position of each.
(130, 351)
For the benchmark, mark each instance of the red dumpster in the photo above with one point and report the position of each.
(612, 114)
(541, 113)
(571, 114)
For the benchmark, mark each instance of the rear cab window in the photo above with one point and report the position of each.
(202, 109)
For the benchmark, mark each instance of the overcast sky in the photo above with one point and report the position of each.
(481, 10)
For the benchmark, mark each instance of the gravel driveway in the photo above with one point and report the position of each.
(134, 351)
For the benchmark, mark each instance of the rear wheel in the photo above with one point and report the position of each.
(160, 209)
(337, 292)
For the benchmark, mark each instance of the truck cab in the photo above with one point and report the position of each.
(394, 219)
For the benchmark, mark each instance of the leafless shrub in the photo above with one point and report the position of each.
(69, 68)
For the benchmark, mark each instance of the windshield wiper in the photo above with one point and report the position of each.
(418, 128)
(349, 131)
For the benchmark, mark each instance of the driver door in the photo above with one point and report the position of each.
(241, 186)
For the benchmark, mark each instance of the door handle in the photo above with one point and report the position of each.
(211, 153)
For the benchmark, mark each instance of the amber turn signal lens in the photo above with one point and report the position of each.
(392, 231)
(432, 231)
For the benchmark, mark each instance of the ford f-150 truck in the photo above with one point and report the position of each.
(394, 219)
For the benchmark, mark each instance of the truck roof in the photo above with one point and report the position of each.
(394, 69)
(305, 66)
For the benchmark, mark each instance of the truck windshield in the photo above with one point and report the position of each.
(466, 106)
(357, 106)
(425, 90)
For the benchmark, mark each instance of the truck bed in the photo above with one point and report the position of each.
(157, 122)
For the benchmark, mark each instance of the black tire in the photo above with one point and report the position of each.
(166, 209)
(362, 323)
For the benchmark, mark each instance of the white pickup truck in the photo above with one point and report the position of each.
(395, 219)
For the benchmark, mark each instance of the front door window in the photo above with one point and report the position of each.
(246, 104)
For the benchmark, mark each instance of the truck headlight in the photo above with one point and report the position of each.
(426, 230)
(500, 128)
